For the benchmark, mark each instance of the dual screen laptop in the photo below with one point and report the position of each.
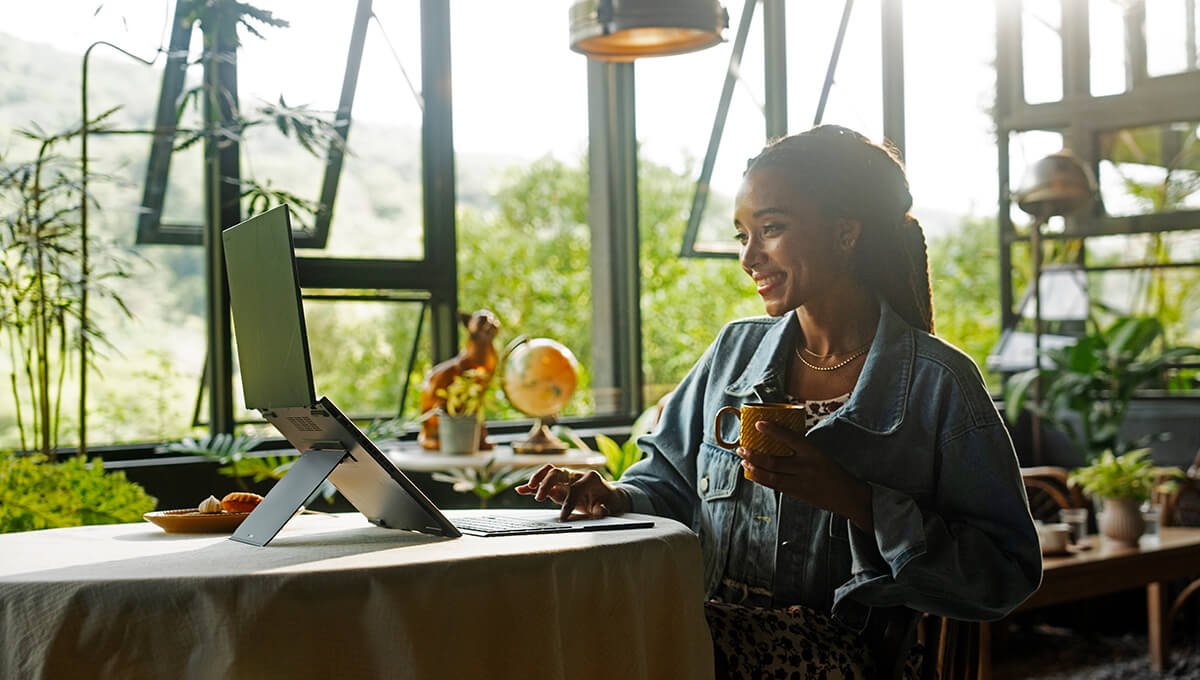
(276, 371)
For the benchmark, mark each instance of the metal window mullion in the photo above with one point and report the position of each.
(775, 63)
(437, 176)
(700, 197)
(1076, 49)
(342, 119)
(613, 220)
(222, 184)
(892, 50)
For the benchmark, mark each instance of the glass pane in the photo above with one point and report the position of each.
(1166, 294)
(148, 362)
(360, 351)
(1166, 37)
(148, 365)
(1150, 169)
(377, 212)
(693, 82)
(520, 129)
(856, 98)
(1041, 50)
(1106, 32)
(183, 198)
(951, 157)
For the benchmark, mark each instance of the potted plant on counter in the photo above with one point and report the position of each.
(460, 418)
(1095, 380)
(1123, 482)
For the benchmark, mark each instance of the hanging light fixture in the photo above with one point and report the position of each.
(624, 30)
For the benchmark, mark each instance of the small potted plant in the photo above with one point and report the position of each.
(461, 415)
(1124, 482)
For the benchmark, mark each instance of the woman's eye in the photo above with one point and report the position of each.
(772, 228)
(741, 237)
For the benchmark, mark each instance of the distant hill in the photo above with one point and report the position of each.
(377, 211)
(380, 190)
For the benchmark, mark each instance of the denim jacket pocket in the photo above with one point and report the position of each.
(717, 482)
(838, 561)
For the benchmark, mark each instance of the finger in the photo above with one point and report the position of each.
(761, 475)
(570, 501)
(534, 480)
(790, 438)
(767, 461)
(548, 484)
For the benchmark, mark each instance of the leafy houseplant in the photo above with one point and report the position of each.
(36, 494)
(231, 453)
(618, 458)
(485, 482)
(1123, 482)
(460, 416)
(1095, 379)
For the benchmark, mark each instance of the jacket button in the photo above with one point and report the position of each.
(704, 483)
(785, 544)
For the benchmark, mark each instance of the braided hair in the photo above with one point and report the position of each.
(850, 177)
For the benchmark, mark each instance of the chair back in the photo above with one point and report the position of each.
(1049, 491)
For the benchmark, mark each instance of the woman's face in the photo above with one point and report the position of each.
(791, 250)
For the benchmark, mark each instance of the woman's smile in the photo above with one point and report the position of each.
(765, 283)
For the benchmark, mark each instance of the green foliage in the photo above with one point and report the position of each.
(45, 280)
(36, 494)
(229, 451)
(485, 482)
(618, 458)
(1095, 379)
(384, 428)
(539, 283)
(966, 293)
(1131, 475)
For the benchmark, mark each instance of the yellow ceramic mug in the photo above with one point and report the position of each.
(790, 416)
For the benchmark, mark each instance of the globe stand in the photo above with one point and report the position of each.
(541, 439)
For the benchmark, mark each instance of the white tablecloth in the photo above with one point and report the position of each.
(334, 597)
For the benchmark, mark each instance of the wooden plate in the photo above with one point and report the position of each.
(192, 521)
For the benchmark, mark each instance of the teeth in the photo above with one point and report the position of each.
(767, 280)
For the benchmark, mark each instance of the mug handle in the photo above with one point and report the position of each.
(717, 426)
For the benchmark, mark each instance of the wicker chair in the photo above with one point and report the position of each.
(1049, 491)
(1182, 508)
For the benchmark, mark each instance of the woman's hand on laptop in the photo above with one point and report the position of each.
(585, 491)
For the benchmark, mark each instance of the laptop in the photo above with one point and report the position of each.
(276, 370)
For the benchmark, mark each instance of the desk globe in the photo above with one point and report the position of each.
(539, 377)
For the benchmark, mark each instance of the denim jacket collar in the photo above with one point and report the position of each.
(879, 399)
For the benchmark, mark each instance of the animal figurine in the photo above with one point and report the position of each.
(482, 327)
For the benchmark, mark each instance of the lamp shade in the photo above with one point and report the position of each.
(624, 30)
(1059, 184)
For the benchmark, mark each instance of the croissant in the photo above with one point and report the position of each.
(240, 501)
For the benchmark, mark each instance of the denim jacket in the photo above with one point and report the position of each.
(952, 534)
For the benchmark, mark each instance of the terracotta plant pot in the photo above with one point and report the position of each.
(458, 435)
(1121, 522)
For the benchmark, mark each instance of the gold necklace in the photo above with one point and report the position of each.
(854, 355)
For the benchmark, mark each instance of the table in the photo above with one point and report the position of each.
(416, 459)
(1109, 568)
(335, 597)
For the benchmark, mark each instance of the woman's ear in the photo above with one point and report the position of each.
(847, 231)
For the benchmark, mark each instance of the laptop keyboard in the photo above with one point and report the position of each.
(496, 524)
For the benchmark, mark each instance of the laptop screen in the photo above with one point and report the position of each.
(268, 319)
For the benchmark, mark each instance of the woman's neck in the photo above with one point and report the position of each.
(839, 324)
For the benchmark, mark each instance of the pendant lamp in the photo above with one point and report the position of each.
(624, 30)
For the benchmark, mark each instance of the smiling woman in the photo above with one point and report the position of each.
(903, 494)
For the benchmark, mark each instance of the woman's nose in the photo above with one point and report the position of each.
(750, 253)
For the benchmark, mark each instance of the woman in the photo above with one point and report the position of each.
(905, 489)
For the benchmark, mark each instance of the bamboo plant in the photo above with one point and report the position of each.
(42, 284)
